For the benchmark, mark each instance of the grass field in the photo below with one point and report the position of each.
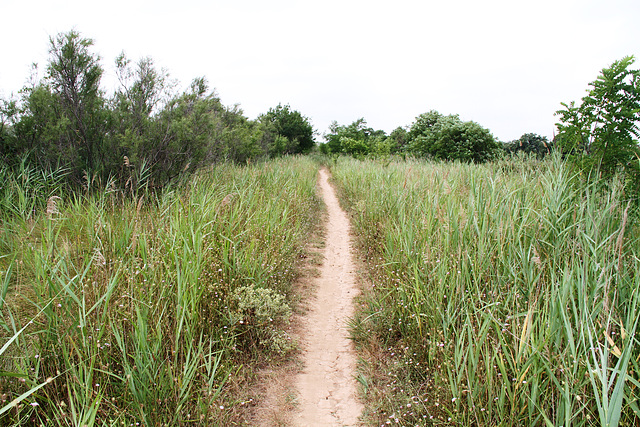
(500, 294)
(503, 294)
(128, 307)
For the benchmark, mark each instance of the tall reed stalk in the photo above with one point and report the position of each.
(502, 294)
(120, 307)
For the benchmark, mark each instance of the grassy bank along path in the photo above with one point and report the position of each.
(326, 387)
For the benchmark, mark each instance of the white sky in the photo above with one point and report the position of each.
(506, 64)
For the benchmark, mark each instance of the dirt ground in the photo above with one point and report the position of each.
(319, 388)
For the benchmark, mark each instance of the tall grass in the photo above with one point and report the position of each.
(503, 294)
(126, 310)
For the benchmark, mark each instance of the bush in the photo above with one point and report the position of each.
(261, 313)
(449, 138)
(530, 143)
(600, 135)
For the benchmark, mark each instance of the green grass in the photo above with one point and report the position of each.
(501, 294)
(121, 307)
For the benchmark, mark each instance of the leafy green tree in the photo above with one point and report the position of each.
(65, 120)
(449, 138)
(196, 129)
(186, 132)
(239, 138)
(62, 119)
(601, 133)
(323, 147)
(136, 127)
(9, 143)
(355, 147)
(142, 87)
(42, 130)
(332, 138)
(398, 139)
(530, 143)
(290, 124)
(424, 125)
(74, 75)
(356, 138)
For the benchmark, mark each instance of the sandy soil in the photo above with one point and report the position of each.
(318, 388)
(326, 387)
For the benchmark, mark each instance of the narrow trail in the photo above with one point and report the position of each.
(326, 387)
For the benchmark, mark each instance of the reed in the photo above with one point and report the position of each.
(120, 307)
(501, 294)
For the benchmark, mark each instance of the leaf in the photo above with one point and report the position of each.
(614, 348)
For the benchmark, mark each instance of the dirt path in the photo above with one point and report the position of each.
(326, 387)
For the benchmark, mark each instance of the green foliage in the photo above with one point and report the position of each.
(144, 129)
(600, 135)
(355, 139)
(262, 314)
(500, 294)
(9, 146)
(289, 124)
(120, 307)
(530, 143)
(135, 131)
(355, 147)
(397, 139)
(192, 122)
(449, 138)
(74, 75)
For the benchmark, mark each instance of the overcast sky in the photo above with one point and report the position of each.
(506, 64)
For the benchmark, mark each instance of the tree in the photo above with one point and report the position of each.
(292, 125)
(354, 147)
(356, 138)
(9, 143)
(136, 104)
(144, 130)
(530, 143)
(74, 75)
(600, 134)
(398, 139)
(142, 90)
(188, 130)
(449, 138)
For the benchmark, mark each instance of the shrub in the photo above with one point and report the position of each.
(261, 313)
(449, 138)
(600, 135)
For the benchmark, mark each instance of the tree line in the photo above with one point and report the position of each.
(432, 135)
(146, 128)
(598, 136)
(149, 130)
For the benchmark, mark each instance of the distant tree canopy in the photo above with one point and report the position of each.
(601, 134)
(529, 143)
(145, 128)
(292, 132)
(431, 135)
(357, 139)
(449, 138)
